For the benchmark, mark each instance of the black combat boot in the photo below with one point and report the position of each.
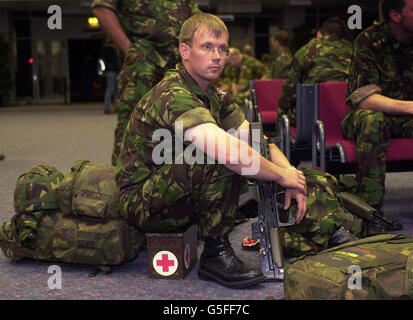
(219, 263)
(341, 236)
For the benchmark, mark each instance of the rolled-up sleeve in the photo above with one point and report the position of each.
(111, 4)
(364, 78)
(362, 93)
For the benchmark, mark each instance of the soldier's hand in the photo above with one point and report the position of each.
(292, 178)
(301, 203)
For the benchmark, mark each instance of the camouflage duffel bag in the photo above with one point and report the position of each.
(377, 268)
(73, 239)
(90, 190)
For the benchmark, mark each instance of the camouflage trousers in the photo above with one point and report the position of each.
(324, 216)
(137, 77)
(371, 132)
(178, 195)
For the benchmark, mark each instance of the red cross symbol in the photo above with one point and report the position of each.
(165, 263)
(187, 256)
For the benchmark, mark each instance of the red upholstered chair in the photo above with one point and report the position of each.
(338, 155)
(266, 93)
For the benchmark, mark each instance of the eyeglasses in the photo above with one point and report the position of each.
(223, 51)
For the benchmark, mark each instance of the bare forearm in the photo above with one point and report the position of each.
(110, 24)
(278, 157)
(387, 105)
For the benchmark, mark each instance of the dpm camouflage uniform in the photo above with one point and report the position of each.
(280, 66)
(153, 28)
(320, 60)
(169, 194)
(324, 215)
(250, 69)
(381, 64)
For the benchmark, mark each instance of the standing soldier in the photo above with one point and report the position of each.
(147, 32)
(380, 91)
(325, 58)
(243, 68)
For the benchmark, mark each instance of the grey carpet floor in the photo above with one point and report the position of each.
(60, 135)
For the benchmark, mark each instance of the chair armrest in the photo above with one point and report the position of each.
(319, 138)
(284, 124)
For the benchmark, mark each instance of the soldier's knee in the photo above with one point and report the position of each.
(370, 120)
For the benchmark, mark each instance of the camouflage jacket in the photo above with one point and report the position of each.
(175, 104)
(250, 69)
(280, 66)
(381, 64)
(153, 26)
(320, 60)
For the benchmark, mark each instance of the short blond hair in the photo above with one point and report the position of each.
(234, 52)
(210, 21)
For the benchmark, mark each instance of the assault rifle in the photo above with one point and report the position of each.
(360, 208)
(271, 213)
(363, 210)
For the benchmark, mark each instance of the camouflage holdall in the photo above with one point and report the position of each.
(70, 239)
(41, 231)
(90, 190)
(374, 268)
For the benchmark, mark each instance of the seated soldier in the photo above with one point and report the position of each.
(161, 194)
(380, 92)
(244, 69)
(323, 59)
(281, 65)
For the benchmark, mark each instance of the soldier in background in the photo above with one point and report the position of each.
(380, 91)
(147, 32)
(267, 60)
(325, 58)
(281, 65)
(241, 69)
(248, 50)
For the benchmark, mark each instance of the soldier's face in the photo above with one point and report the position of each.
(205, 58)
(406, 17)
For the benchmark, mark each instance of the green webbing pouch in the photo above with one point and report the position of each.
(90, 190)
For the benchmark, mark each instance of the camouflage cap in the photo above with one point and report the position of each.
(36, 189)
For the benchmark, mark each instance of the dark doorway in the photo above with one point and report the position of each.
(85, 83)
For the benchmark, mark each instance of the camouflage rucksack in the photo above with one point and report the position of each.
(36, 189)
(379, 267)
(90, 190)
(34, 194)
(41, 231)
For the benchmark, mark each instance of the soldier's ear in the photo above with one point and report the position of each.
(184, 50)
(395, 15)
